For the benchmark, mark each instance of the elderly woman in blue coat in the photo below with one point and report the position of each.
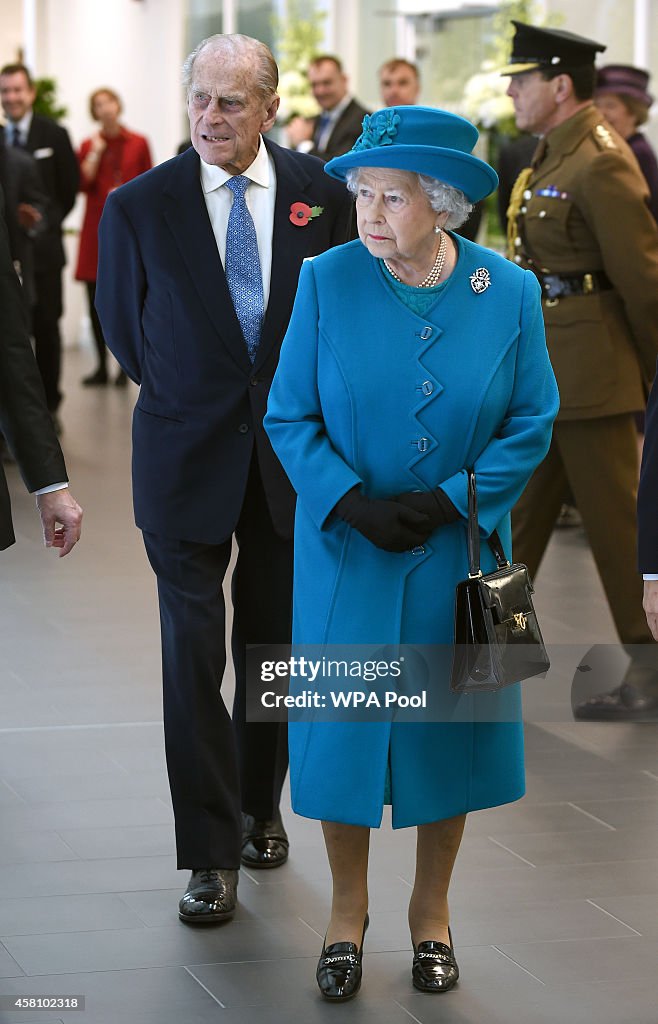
(412, 354)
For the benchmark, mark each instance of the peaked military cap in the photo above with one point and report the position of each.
(535, 48)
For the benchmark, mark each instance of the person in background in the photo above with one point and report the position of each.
(622, 96)
(338, 124)
(412, 355)
(579, 221)
(50, 145)
(199, 262)
(399, 86)
(399, 82)
(646, 702)
(112, 156)
(25, 210)
(25, 421)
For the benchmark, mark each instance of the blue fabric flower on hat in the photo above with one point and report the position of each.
(378, 130)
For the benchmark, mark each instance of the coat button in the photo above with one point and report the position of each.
(427, 387)
(425, 333)
(243, 428)
(422, 443)
(254, 381)
(419, 550)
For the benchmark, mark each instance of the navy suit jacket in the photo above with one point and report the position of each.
(168, 317)
(647, 495)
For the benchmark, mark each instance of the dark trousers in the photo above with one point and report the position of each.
(45, 325)
(218, 768)
(99, 340)
(598, 460)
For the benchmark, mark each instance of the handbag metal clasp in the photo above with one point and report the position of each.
(520, 620)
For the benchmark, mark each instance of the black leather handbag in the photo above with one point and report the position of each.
(497, 637)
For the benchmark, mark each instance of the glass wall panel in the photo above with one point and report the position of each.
(204, 18)
(449, 50)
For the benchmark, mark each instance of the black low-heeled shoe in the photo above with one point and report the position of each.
(339, 968)
(434, 967)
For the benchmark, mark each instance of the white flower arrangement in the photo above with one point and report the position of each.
(485, 101)
(296, 99)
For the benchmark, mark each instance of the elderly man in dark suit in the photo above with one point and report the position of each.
(25, 422)
(199, 260)
(51, 147)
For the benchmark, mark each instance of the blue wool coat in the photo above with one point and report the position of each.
(369, 393)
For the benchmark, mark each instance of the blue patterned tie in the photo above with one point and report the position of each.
(242, 266)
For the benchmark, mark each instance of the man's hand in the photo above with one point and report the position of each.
(60, 507)
(650, 605)
(299, 129)
(28, 216)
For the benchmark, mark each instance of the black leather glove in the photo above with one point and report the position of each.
(385, 523)
(435, 504)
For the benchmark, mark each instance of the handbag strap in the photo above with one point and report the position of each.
(494, 541)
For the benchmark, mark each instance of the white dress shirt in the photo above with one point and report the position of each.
(260, 198)
(24, 127)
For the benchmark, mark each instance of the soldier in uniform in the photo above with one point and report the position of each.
(578, 218)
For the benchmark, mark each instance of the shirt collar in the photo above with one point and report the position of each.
(336, 111)
(23, 124)
(213, 177)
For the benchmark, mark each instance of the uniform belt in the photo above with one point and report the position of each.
(559, 286)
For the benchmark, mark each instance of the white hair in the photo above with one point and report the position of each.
(236, 48)
(442, 198)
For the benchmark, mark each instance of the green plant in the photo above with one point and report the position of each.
(298, 37)
(46, 99)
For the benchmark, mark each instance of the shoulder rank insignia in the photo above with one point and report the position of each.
(604, 138)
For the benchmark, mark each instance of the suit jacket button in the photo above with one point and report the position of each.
(418, 550)
(243, 428)
(254, 381)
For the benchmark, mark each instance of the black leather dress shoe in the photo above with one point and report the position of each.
(97, 379)
(626, 703)
(340, 968)
(210, 897)
(434, 966)
(264, 843)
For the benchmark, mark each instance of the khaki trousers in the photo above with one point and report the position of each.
(598, 460)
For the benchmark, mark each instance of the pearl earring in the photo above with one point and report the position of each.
(437, 229)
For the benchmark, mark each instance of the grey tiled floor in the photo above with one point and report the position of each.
(555, 898)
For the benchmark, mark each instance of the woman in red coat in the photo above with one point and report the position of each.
(108, 159)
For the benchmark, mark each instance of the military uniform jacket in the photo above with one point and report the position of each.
(583, 211)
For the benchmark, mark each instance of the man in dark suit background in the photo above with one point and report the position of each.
(26, 206)
(338, 126)
(25, 422)
(199, 261)
(51, 147)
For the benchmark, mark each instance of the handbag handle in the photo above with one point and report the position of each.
(493, 541)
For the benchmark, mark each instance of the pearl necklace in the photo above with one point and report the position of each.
(437, 267)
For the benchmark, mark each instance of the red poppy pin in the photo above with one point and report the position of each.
(302, 213)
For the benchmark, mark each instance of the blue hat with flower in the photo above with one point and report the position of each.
(421, 139)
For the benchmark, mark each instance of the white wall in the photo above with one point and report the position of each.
(134, 46)
(11, 30)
